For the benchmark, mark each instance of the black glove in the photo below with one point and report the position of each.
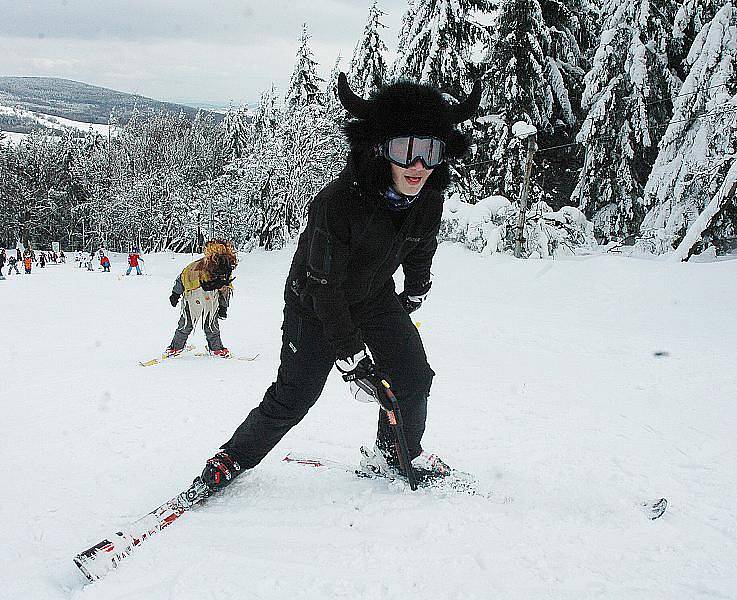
(223, 312)
(366, 381)
(217, 283)
(409, 304)
(174, 299)
(411, 301)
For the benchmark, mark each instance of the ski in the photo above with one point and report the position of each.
(98, 560)
(444, 485)
(163, 357)
(653, 510)
(232, 356)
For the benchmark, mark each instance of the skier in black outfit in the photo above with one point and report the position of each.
(382, 212)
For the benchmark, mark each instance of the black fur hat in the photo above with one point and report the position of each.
(401, 109)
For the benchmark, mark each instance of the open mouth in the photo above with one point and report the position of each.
(413, 180)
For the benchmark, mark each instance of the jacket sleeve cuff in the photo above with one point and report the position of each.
(349, 346)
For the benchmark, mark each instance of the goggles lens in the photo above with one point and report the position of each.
(405, 150)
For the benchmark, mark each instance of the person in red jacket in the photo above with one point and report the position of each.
(133, 259)
(105, 263)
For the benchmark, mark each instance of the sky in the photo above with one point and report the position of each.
(217, 51)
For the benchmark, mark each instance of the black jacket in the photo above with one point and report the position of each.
(352, 246)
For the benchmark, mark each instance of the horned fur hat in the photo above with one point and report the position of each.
(403, 108)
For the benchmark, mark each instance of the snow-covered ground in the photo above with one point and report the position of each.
(578, 388)
(11, 137)
(49, 121)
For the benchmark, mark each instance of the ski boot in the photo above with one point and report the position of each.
(220, 471)
(169, 352)
(222, 353)
(430, 470)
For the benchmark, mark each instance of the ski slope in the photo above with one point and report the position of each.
(575, 388)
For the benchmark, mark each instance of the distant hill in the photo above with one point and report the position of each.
(80, 101)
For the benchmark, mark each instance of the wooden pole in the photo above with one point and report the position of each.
(531, 149)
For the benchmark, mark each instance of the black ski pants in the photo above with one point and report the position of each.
(306, 360)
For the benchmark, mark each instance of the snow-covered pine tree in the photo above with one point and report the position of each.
(516, 88)
(267, 114)
(407, 20)
(235, 132)
(333, 107)
(368, 68)
(435, 42)
(691, 17)
(573, 30)
(533, 71)
(623, 94)
(700, 144)
(304, 86)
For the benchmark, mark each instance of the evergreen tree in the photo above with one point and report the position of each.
(235, 132)
(368, 68)
(333, 107)
(407, 20)
(691, 17)
(304, 86)
(623, 90)
(516, 88)
(267, 113)
(699, 145)
(436, 39)
(533, 71)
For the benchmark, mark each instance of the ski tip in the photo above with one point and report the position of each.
(654, 510)
(78, 561)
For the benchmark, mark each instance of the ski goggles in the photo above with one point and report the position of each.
(405, 150)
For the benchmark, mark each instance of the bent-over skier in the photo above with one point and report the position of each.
(206, 285)
(382, 212)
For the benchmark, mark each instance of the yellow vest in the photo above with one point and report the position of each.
(194, 274)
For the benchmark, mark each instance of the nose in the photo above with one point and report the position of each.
(417, 164)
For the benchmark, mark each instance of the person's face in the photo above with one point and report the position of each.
(409, 181)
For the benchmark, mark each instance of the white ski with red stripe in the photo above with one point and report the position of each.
(100, 559)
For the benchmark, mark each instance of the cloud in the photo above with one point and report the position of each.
(201, 20)
(214, 50)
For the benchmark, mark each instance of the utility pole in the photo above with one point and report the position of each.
(524, 130)
(212, 221)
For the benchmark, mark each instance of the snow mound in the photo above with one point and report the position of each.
(490, 226)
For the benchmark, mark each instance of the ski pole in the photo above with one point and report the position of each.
(395, 420)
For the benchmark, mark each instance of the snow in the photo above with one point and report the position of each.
(54, 122)
(548, 387)
(12, 138)
(523, 130)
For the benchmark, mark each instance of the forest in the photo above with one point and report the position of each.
(634, 103)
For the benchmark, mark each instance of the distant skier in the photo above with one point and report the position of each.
(382, 212)
(133, 259)
(13, 265)
(105, 263)
(90, 260)
(62, 257)
(28, 264)
(42, 260)
(2, 262)
(206, 285)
